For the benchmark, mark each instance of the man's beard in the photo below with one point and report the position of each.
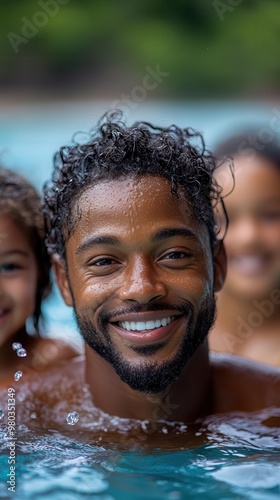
(150, 376)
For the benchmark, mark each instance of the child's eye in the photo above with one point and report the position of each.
(271, 216)
(9, 267)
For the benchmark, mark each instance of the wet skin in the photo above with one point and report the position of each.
(136, 255)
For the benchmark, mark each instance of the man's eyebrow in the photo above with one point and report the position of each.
(97, 240)
(162, 234)
(171, 232)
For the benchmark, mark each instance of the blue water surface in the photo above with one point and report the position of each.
(239, 460)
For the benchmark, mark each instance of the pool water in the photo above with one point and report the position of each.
(222, 457)
(234, 463)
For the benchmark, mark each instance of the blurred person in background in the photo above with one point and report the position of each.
(24, 282)
(248, 319)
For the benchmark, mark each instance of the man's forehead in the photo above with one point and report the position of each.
(135, 202)
(106, 193)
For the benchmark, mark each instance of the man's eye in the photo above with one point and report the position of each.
(104, 262)
(177, 255)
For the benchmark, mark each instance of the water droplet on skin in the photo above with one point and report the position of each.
(1, 414)
(16, 346)
(17, 375)
(72, 418)
(21, 353)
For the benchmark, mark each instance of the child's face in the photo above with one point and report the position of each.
(18, 278)
(253, 238)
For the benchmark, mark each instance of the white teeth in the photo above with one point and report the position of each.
(140, 326)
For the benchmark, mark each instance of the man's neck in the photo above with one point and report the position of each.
(186, 399)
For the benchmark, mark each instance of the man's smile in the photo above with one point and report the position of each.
(146, 325)
(147, 332)
(145, 320)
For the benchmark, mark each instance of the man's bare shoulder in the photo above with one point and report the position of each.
(52, 380)
(46, 398)
(240, 384)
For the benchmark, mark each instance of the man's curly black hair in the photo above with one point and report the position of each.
(21, 202)
(116, 151)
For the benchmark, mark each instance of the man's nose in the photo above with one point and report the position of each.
(142, 283)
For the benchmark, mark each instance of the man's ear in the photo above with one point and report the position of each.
(62, 279)
(220, 265)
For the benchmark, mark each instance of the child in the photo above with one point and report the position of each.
(248, 320)
(24, 281)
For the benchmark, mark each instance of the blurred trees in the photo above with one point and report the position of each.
(209, 48)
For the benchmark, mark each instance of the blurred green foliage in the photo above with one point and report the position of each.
(209, 48)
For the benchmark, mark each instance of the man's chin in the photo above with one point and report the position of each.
(146, 372)
(150, 376)
(152, 379)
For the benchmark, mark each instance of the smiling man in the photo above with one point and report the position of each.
(138, 254)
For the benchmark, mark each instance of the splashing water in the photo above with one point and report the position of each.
(16, 346)
(17, 375)
(72, 418)
(21, 353)
(1, 414)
